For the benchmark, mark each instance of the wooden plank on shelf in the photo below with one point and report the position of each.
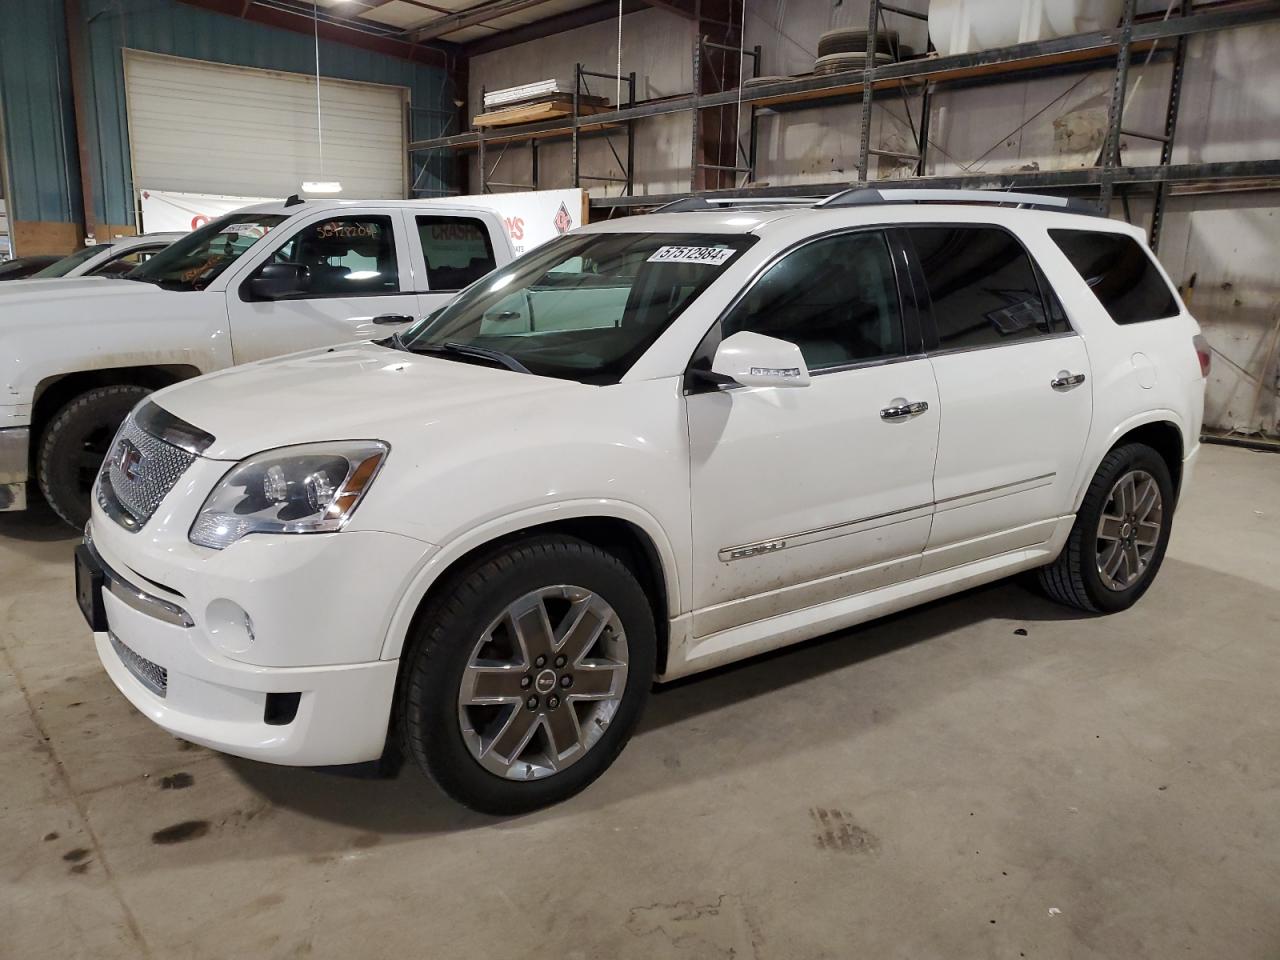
(535, 112)
(524, 136)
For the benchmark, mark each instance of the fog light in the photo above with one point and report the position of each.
(229, 625)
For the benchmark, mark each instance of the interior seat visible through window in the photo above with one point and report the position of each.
(351, 256)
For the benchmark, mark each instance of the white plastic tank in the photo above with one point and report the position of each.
(963, 26)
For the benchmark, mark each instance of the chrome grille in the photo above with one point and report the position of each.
(139, 471)
(151, 675)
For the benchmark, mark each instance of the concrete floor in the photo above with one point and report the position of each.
(935, 785)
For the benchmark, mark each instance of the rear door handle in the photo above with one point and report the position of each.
(1066, 379)
(902, 409)
(388, 318)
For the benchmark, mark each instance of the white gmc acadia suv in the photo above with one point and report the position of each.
(648, 448)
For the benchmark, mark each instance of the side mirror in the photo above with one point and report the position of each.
(275, 281)
(755, 360)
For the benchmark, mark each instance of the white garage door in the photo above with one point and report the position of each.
(210, 128)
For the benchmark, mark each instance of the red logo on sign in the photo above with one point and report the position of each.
(563, 221)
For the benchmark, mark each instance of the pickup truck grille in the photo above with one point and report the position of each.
(138, 473)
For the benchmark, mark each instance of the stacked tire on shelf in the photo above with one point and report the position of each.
(846, 49)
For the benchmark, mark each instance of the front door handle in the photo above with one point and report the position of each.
(388, 318)
(1066, 379)
(901, 409)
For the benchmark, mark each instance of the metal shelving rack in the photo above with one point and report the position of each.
(1019, 61)
(574, 128)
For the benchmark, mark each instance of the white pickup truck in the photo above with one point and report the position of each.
(77, 355)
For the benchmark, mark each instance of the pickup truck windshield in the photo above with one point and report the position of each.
(582, 307)
(192, 262)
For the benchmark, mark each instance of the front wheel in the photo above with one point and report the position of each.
(527, 673)
(74, 445)
(1120, 535)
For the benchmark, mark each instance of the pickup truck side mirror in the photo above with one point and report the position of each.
(756, 360)
(276, 281)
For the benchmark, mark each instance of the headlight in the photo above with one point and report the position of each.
(312, 488)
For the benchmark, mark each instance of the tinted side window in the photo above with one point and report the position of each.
(982, 285)
(352, 256)
(836, 299)
(1120, 273)
(457, 251)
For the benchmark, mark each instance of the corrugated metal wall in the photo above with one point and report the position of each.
(39, 122)
(35, 91)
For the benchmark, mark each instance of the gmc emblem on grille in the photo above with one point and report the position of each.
(128, 458)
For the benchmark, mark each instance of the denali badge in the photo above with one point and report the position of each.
(752, 550)
(128, 457)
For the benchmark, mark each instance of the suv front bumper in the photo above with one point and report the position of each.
(15, 454)
(320, 607)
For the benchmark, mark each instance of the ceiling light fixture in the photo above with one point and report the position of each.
(322, 185)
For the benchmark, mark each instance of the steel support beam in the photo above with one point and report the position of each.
(1115, 108)
(1170, 128)
(79, 56)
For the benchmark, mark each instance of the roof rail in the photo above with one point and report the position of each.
(687, 204)
(866, 196)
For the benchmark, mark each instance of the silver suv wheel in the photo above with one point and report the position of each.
(543, 682)
(1129, 529)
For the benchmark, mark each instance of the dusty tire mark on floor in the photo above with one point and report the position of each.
(837, 831)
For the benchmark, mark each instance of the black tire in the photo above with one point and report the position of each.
(1073, 578)
(852, 40)
(74, 444)
(445, 634)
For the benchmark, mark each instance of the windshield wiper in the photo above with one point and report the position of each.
(471, 350)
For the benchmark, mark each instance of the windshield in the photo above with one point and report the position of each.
(192, 262)
(60, 268)
(582, 307)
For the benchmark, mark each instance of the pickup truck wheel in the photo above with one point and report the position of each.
(75, 443)
(526, 674)
(1120, 535)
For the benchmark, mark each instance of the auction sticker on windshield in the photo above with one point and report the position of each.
(253, 229)
(712, 256)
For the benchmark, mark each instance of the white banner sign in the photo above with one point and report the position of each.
(532, 218)
(164, 211)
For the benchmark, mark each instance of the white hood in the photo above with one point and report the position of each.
(354, 392)
(56, 292)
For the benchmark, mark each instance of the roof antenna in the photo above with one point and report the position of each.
(293, 200)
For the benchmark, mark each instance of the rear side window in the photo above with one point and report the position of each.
(983, 287)
(1120, 273)
(457, 251)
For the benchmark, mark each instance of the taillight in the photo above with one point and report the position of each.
(1203, 353)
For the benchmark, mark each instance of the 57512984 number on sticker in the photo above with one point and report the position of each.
(712, 256)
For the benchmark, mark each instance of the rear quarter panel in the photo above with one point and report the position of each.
(1141, 372)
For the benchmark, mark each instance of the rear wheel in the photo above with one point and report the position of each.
(527, 674)
(75, 443)
(1120, 534)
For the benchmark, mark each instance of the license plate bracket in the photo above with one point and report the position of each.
(89, 583)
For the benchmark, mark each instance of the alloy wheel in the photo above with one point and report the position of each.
(1129, 530)
(543, 682)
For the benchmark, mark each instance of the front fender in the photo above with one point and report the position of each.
(444, 556)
